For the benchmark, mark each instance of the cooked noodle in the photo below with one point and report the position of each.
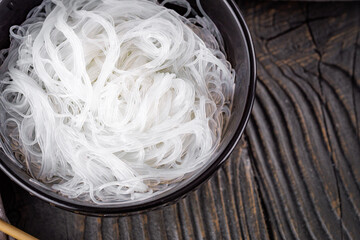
(112, 100)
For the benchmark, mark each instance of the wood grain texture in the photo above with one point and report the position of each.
(296, 172)
(304, 131)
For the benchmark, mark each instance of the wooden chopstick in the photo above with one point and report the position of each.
(14, 232)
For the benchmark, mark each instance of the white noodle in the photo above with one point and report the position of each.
(113, 100)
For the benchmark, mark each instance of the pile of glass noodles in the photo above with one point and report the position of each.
(113, 100)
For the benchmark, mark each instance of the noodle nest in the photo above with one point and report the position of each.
(113, 100)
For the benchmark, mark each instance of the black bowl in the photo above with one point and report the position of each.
(240, 52)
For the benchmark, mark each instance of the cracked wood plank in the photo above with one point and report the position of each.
(304, 127)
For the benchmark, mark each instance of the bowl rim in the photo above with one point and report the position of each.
(113, 210)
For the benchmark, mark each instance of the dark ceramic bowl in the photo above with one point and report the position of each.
(240, 53)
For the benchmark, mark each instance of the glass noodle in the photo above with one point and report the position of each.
(113, 100)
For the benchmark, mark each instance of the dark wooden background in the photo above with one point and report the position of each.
(296, 172)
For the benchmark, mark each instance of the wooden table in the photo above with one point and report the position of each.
(296, 172)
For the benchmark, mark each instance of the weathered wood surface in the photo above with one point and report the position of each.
(295, 174)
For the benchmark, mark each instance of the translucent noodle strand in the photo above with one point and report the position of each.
(113, 100)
